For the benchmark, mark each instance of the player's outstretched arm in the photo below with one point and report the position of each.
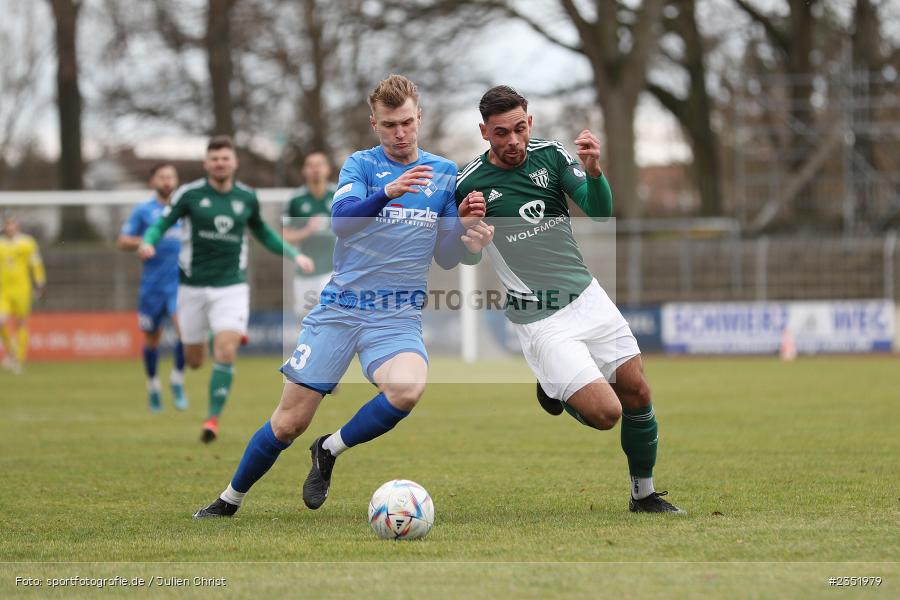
(154, 233)
(295, 235)
(448, 251)
(273, 242)
(128, 243)
(350, 214)
(478, 238)
(589, 189)
(38, 272)
(471, 258)
(594, 196)
(130, 236)
(589, 153)
(471, 210)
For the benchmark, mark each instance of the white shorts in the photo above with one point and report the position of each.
(216, 309)
(307, 291)
(582, 342)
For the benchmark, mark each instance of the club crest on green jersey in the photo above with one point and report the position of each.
(540, 177)
(237, 206)
(223, 223)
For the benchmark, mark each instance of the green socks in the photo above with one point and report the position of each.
(640, 437)
(575, 414)
(219, 387)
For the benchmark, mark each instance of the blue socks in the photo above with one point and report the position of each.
(260, 455)
(151, 359)
(179, 356)
(376, 417)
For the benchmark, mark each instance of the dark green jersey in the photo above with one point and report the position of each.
(319, 246)
(534, 252)
(215, 226)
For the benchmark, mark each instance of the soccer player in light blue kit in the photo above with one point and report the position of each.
(393, 211)
(159, 284)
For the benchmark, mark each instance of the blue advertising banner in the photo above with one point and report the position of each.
(847, 326)
(646, 325)
(264, 333)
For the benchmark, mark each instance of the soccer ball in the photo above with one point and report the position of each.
(401, 510)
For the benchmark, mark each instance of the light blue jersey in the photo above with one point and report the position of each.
(159, 277)
(160, 273)
(385, 265)
(371, 306)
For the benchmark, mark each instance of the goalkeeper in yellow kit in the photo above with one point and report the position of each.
(21, 270)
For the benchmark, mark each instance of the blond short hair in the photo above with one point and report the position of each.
(393, 92)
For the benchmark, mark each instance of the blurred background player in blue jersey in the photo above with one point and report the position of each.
(159, 283)
(393, 213)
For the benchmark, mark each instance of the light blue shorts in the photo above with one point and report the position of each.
(330, 338)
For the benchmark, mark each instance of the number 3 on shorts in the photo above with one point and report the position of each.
(301, 355)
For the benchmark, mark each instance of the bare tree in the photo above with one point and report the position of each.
(270, 67)
(297, 74)
(217, 42)
(617, 41)
(313, 95)
(153, 52)
(868, 57)
(328, 56)
(792, 38)
(302, 47)
(65, 13)
(75, 225)
(22, 58)
(693, 106)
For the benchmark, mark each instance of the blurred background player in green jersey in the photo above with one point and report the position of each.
(307, 222)
(217, 214)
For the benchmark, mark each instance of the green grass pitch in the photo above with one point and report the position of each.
(789, 472)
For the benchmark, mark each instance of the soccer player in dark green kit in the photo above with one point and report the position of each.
(217, 213)
(307, 221)
(574, 338)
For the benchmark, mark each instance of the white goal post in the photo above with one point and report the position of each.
(35, 199)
